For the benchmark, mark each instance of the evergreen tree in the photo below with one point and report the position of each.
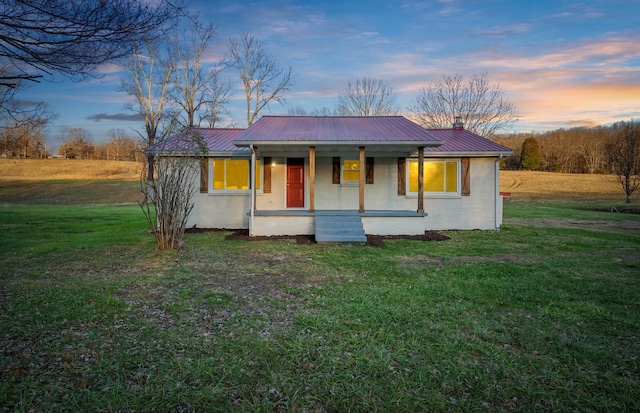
(530, 155)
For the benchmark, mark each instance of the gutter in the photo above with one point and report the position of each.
(501, 155)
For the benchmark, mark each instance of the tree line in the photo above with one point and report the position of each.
(613, 149)
(574, 150)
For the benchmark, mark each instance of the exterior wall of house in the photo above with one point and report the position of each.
(477, 211)
(219, 210)
(481, 210)
(283, 225)
(395, 225)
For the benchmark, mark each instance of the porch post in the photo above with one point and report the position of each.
(361, 184)
(312, 179)
(252, 168)
(421, 179)
(254, 151)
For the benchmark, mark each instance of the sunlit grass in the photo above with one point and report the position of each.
(68, 169)
(534, 317)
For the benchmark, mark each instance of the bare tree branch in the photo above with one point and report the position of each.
(624, 156)
(148, 79)
(200, 93)
(217, 94)
(262, 77)
(482, 107)
(73, 37)
(367, 97)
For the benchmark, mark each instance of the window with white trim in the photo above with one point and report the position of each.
(441, 177)
(232, 174)
(350, 171)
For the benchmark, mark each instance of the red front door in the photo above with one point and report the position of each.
(295, 182)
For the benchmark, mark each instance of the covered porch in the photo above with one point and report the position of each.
(324, 172)
(336, 225)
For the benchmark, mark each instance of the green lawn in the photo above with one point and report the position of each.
(543, 315)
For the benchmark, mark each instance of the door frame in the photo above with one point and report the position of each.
(294, 162)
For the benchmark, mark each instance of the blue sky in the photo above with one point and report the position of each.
(562, 63)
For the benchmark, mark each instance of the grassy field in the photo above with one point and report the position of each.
(542, 315)
(66, 181)
(68, 169)
(69, 181)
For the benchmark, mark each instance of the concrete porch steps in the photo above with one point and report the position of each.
(339, 228)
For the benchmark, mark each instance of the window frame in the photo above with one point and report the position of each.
(445, 194)
(259, 164)
(349, 182)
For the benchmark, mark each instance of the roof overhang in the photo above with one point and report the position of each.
(370, 147)
(485, 154)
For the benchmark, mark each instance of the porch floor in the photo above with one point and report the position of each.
(334, 225)
(337, 212)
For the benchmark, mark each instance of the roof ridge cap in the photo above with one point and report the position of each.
(332, 116)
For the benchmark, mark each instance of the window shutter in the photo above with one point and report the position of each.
(266, 165)
(204, 175)
(466, 177)
(336, 170)
(369, 166)
(402, 176)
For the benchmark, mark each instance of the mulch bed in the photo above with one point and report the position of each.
(373, 240)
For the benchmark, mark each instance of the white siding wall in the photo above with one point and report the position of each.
(477, 211)
(219, 211)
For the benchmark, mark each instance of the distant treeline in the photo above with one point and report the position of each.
(24, 141)
(575, 150)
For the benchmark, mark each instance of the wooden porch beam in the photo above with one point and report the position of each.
(362, 179)
(312, 179)
(421, 179)
(254, 154)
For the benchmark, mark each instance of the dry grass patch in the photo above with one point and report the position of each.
(560, 185)
(68, 169)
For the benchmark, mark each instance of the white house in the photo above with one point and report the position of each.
(339, 178)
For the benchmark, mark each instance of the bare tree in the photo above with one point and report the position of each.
(191, 83)
(23, 131)
(367, 97)
(147, 81)
(263, 79)
(217, 94)
(168, 200)
(119, 147)
(592, 148)
(73, 37)
(77, 143)
(483, 108)
(558, 150)
(624, 156)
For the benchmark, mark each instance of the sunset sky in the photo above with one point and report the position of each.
(562, 63)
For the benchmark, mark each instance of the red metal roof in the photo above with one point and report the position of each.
(463, 141)
(335, 129)
(217, 140)
(340, 131)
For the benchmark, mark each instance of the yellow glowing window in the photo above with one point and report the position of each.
(351, 170)
(233, 174)
(439, 177)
